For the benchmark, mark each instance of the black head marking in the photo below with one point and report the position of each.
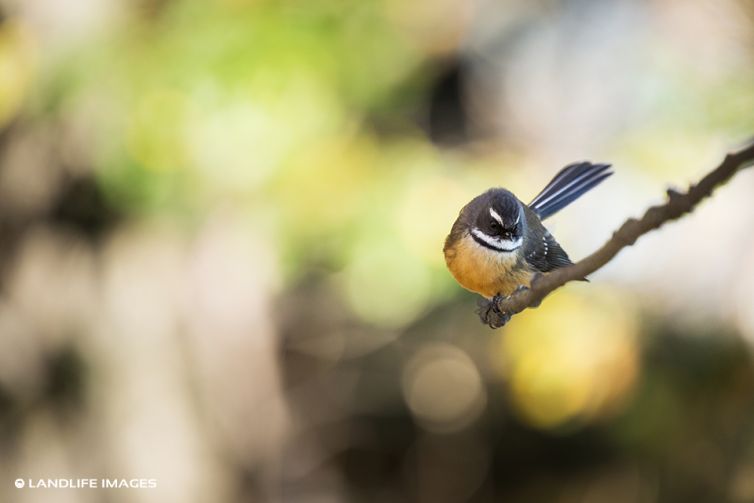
(501, 215)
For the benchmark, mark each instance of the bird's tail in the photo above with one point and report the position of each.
(567, 186)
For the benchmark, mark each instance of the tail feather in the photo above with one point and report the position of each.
(567, 186)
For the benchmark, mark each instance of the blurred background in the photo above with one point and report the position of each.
(221, 226)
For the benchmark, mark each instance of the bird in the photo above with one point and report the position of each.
(498, 244)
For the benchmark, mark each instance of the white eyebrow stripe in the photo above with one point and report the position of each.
(494, 214)
(502, 245)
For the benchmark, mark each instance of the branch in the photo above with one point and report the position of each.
(676, 206)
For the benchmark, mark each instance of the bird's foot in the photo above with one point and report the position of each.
(489, 310)
(490, 314)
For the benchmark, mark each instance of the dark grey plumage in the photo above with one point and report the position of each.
(568, 185)
(541, 251)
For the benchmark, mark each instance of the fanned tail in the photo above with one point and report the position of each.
(567, 186)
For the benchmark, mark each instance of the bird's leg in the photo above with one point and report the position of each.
(490, 314)
(489, 310)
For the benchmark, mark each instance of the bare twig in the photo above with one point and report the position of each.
(677, 205)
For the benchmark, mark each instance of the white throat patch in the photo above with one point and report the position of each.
(499, 244)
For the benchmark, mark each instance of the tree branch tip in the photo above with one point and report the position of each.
(673, 193)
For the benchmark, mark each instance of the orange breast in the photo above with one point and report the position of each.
(484, 271)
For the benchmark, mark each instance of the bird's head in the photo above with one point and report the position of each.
(498, 221)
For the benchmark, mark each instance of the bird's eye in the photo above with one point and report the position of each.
(495, 226)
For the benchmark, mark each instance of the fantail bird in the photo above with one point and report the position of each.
(497, 244)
